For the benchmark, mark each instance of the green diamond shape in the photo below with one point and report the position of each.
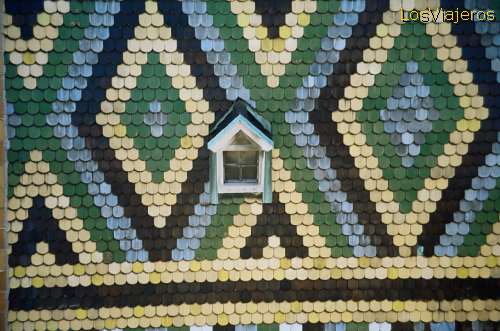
(156, 148)
(406, 177)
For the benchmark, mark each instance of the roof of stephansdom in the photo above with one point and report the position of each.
(385, 166)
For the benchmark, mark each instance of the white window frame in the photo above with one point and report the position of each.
(240, 187)
(223, 142)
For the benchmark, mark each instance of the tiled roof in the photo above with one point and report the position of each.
(385, 166)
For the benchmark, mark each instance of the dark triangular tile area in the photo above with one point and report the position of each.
(273, 221)
(273, 14)
(463, 326)
(24, 14)
(313, 327)
(402, 326)
(41, 226)
(223, 327)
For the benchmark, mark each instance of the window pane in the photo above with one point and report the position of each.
(249, 157)
(231, 173)
(231, 158)
(241, 166)
(241, 139)
(249, 173)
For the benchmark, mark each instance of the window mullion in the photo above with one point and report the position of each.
(241, 166)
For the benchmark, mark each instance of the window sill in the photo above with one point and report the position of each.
(241, 188)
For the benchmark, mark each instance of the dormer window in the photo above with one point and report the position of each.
(241, 164)
(240, 160)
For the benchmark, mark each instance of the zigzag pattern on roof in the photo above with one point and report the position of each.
(385, 166)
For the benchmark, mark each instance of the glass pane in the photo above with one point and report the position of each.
(249, 173)
(241, 166)
(231, 158)
(241, 139)
(249, 157)
(231, 173)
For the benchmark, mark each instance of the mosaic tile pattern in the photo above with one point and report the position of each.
(409, 115)
(385, 212)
